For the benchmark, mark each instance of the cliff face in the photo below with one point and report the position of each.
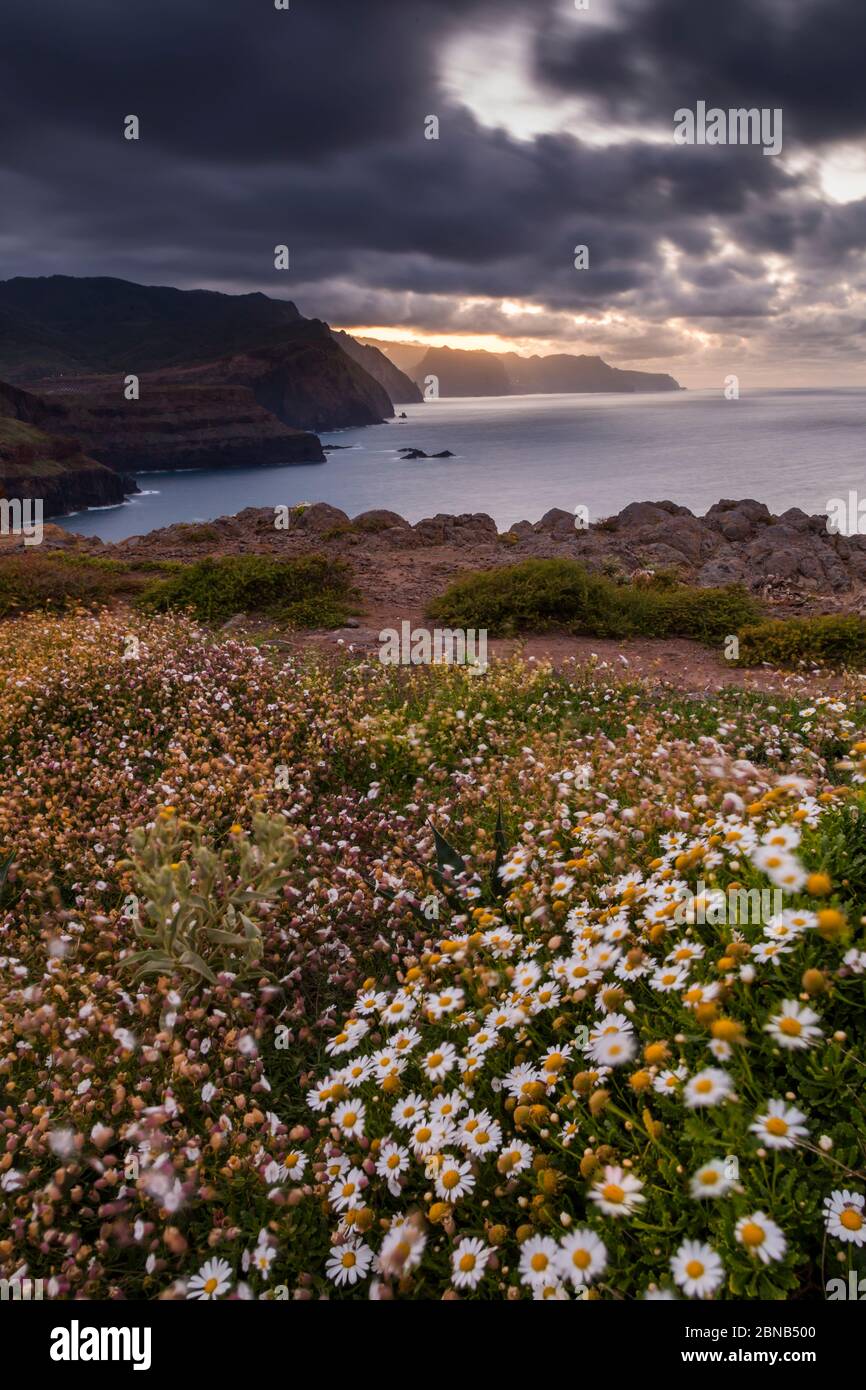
(305, 380)
(401, 388)
(56, 469)
(190, 426)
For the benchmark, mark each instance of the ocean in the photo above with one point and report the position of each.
(516, 456)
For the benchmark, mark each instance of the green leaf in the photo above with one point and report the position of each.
(447, 856)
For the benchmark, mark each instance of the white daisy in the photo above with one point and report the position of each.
(348, 1263)
(539, 1256)
(440, 1061)
(582, 1256)
(697, 1269)
(795, 1027)
(349, 1118)
(468, 1262)
(710, 1180)
(454, 1179)
(212, 1280)
(781, 1126)
(618, 1193)
(843, 1213)
(761, 1237)
(708, 1087)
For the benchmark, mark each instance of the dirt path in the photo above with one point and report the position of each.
(684, 664)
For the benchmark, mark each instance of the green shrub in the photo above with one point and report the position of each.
(541, 595)
(835, 640)
(309, 591)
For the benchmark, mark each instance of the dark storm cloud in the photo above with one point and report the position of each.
(306, 127)
(805, 56)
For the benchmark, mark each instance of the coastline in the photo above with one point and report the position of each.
(790, 560)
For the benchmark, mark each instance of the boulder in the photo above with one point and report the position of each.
(379, 519)
(321, 516)
(556, 521)
(639, 514)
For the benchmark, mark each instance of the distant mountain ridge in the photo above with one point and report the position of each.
(474, 372)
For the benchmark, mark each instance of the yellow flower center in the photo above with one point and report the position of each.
(435, 1059)
(349, 1260)
(694, 1269)
(612, 1193)
(791, 1027)
(467, 1262)
(851, 1220)
(210, 1285)
(349, 1119)
(581, 1258)
(776, 1125)
(539, 1262)
(709, 1177)
(752, 1234)
(424, 1134)
(450, 1179)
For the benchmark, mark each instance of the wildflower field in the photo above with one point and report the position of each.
(345, 981)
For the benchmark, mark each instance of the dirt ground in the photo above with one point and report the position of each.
(687, 665)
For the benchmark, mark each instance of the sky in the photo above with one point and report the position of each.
(307, 126)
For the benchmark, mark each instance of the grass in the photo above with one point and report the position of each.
(559, 594)
(309, 592)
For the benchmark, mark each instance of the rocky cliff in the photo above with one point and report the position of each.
(35, 463)
(179, 426)
(306, 380)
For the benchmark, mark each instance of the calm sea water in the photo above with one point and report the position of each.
(517, 456)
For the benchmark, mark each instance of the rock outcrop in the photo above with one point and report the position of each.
(791, 560)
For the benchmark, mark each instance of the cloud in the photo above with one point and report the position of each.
(306, 127)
